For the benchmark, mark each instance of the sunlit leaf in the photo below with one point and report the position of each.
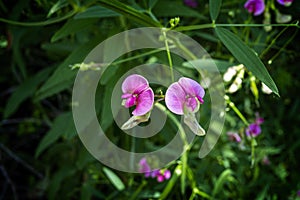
(245, 55)
(114, 179)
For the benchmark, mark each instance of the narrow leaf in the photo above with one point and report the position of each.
(63, 77)
(96, 12)
(114, 179)
(72, 26)
(61, 125)
(24, 91)
(245, 55)
(214, 8)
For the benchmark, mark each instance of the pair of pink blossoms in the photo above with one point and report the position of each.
(183, 98)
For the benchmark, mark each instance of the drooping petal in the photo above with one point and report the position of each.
(191, 87)
(144, 103)
(134, 121)
(256, 7)
(191, 121)
(134, 83)
(175, 98)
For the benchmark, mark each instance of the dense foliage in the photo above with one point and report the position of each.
(43, 43)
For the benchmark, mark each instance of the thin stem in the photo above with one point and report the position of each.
(43, 23)
(168, 54)
(205, 26)
(176, 122)
(236, 110)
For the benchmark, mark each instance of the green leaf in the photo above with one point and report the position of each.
(130, 12)
(152, 3)
(63, 77)
(72, 26)
(169, 8)
(24, 91)
(214, 9)
(114, 179)
(246, 56)
(58, 178)
(61, 126)
(96, 12)
(223, 178)
(208, 64)
(57, 6)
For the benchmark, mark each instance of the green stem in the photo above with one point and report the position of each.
(236, 110)
(283, 47)
(176, 122)
(43, 23)
(168, 54)
(205, 26)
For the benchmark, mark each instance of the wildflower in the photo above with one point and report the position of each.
(160, 175)
(298, 193)
(144, 167)
(285, 2)
(234, 137)
(191, 3)
(136, 92)
(184, 98)
(256, 7)
(254, 129)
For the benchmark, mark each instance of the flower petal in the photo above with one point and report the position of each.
(145, 102)
(134, 83)
(192, 104)
(175, 98)
(191, 87)
(256, 7)
(191, 121)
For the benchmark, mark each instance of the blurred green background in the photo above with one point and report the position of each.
(41, 156)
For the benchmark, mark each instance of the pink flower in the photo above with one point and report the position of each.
(234, 137)
(144, 167)
(186, 94)
(256, 7)
(254, 129)
(160, 175)
(136, 92)
(184, 98)
(285, 2)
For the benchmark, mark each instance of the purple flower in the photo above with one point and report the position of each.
(285, 2)
(160, 175)
(184, 98)
(298, 193)
(234, 137)
(144, 167)
(136, 91)
(186, 94)
(256, 7)
(191, 3)
(254, 128)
